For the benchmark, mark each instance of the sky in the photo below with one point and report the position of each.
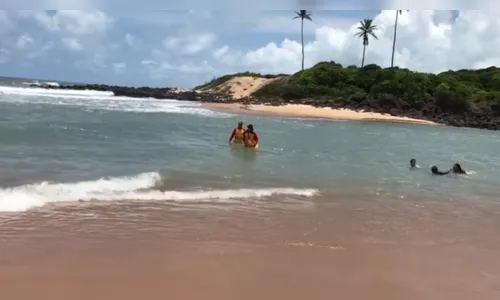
(186, 47)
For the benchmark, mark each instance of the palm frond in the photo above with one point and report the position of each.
(303, 14)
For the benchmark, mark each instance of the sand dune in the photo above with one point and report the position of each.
(242, 86)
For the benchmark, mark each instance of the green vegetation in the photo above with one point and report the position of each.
(220, 80)
(452, 92)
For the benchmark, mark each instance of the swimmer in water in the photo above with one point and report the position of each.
(413, 163)
(457, 169)
(251, 139)
(435, 171)
(238, 134)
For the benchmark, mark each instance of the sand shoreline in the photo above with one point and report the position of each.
(307, 111)
(351, 247)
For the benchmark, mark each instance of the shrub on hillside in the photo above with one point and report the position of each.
(451, 92)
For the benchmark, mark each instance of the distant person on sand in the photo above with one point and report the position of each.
(251, 139)
(238, 134)
(413, 163)
(457, 169)
(435, 171)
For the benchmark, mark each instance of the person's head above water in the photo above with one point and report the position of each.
(240, 125)
(457, 168)
(413, 163)
(434, 169)
(250, 127)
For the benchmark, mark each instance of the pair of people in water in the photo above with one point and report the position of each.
(248, 137)
(455, 169)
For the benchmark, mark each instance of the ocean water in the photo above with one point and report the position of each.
(68, 147)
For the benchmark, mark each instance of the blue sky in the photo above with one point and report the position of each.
(185, 48)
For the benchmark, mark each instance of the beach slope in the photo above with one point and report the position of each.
(308, 111)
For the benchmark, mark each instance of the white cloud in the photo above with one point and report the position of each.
(131, 40)
(74, 22)
(53, 4)
(119, 68)
(285, 23)
(166, 70)
(439, 5)
(219, 53)
(427, 40)
(95, 62)
(148, 63)
(24, 41)
(5, 23)
(191, 44)
(171, 43)
(274, 58)
(41, 51)
(77, 30)
(72, 44)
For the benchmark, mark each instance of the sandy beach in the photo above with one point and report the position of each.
(307, 111)
(353, 249)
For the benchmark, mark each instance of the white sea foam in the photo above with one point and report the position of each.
(98, 100)
(38, 83)
(25, 197)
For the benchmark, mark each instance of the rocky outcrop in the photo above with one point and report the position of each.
(148, 92)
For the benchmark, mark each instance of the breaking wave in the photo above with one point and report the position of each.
(142, 187)
(99, 100)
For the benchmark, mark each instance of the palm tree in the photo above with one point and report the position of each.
(366, 28)
(302, 14)
(398, 12)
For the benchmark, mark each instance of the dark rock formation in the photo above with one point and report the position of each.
(148, 92)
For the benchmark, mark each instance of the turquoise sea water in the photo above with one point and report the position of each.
(66, 146)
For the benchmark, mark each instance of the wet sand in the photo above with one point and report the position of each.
(307, 111)
(333, 246)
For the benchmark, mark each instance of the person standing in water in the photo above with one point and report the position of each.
(251, 139)
(238, 134)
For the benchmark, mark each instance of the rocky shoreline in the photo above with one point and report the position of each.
(147, 92)
(475, 119)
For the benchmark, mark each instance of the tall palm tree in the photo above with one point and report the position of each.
(302, 14)
(398, 12)
(365, 29)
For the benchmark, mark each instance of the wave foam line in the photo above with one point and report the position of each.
(25, 197)
(97, 100)
(34, 91)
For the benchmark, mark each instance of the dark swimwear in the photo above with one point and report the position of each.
(435, 171)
